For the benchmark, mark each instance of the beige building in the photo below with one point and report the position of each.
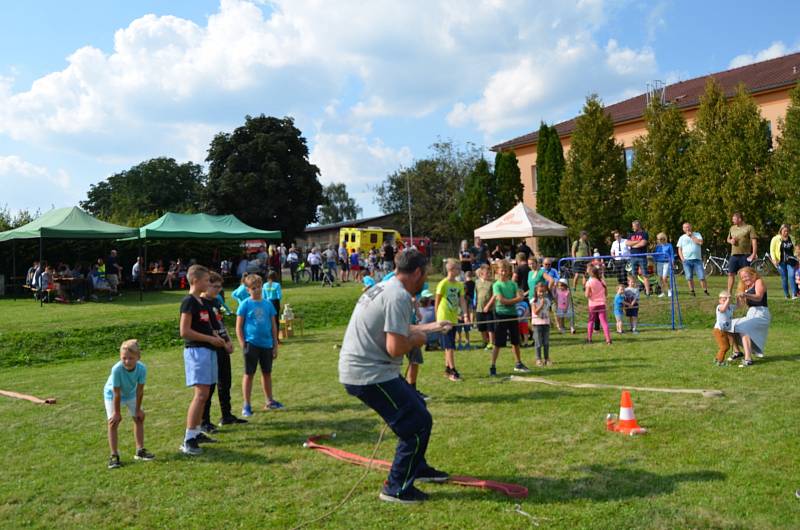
(769, 82)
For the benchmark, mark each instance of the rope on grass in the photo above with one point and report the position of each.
(353, 489)
(26, 397)
(702, 391)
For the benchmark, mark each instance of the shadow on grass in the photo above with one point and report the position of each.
(778, 358)
(333, 407)
(218, 453)
(280, 432)
(602, 483)
(507, 398)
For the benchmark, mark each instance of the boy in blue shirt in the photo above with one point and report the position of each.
(258, 337)
(272, 292)
(125, 386)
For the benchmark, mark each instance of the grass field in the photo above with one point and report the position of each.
(706, 463)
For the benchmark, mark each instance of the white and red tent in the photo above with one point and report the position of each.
(521, 222)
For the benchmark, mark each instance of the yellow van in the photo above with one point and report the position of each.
(364, 239)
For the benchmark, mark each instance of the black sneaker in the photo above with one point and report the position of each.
(492, 371)
(410, 496)
(209, 428)
(203, 438)
(746, 363)
(735, 355)
(448, 371)
(113, 462)
(144, 454)
(520, 367)
(431, 475)
(190, 447)
(231, 420)
(692, 293)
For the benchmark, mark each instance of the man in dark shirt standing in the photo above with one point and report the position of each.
(480, 253)
(388, 257)
(637, 241)
(113, 271)
(525, 249)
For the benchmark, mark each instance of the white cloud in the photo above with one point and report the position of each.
(28, 183)
(776, 49)
(536, 86)
(13, 168)
(354, 159)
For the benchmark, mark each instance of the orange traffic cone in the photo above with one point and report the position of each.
(627, 420)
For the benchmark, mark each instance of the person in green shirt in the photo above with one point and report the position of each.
(581, 248)
(505, 296)
(449, 300)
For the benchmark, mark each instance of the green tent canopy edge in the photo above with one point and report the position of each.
(68, 223)
(202, 226)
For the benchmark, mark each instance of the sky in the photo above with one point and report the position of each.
(91, 88)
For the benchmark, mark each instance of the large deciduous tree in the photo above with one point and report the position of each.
(549, 173)
(146, 191)
(337, 205)
(260, 172)
(595, 176)
(436, 185)
(656, 191)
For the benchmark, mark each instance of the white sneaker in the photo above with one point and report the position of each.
(759, 354)
(669, 293)
(661, 295)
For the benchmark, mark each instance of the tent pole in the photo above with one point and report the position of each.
(142, 268)
(13, 268)
(41, 299)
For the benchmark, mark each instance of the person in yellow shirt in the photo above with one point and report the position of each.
(449, 300)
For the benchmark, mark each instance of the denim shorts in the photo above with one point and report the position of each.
(448, 340)
(200, 365)
(693, 268)
(640, 262)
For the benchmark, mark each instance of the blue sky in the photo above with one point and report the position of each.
(93, 87)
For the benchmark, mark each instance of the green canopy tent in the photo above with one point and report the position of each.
(65, 223)
(199, 226)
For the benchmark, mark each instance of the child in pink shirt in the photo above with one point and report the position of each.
(595, 291)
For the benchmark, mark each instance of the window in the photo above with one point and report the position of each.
(373, 238)
(628, 157)
(769, 134)
(534, 179)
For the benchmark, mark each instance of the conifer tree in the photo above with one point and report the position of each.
(656, 191)
(549, 172)
(508, 189)
(591, 190)
(785, 168)
(730, 153)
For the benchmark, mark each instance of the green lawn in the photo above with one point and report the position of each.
(706, 463)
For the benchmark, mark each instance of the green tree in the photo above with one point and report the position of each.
(730, 154)
(476, 205)
(508, 188)
(595, 176)
(146, 191)
(9, 221)
(549, 173)
(436, 185)
(656, 190)
(260, 172)
(786, 161)
(337, 205)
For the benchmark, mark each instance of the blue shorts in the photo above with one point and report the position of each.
(448, 340)
(618, 314)
(693, 268)
(639, 262)
(200, 365)
(737, 261)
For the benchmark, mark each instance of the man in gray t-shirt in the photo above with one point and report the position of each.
(378, 336)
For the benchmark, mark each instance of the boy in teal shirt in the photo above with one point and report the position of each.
(505, 296)
(125, 387)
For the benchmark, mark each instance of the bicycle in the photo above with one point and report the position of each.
(715, 264)
(764, 265)
(303, 274)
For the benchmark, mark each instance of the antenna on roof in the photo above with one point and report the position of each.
(655, 90)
